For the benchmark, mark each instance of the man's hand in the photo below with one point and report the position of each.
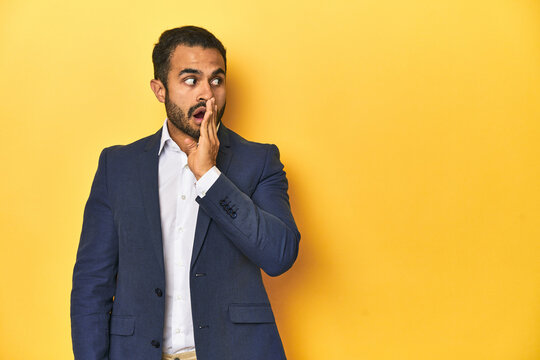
(202, 156)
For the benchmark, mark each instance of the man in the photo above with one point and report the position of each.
(178, 225)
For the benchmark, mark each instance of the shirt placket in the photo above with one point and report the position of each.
(180, 255)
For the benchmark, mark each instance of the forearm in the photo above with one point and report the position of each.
(261, 226)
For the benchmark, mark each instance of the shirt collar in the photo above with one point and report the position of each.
(166, 137)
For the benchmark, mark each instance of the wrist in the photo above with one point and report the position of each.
(203, 184)
(200, 174)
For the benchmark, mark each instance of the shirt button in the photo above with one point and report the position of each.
(183, 197)
(179, 297)
(180, 229)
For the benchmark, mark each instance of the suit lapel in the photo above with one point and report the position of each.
(203, 220)
(148, 175)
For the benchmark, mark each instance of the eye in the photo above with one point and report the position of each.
(216, 81)
(190, 81)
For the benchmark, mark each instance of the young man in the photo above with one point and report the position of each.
(178, 226)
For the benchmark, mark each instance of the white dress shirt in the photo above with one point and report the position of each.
(178, 189)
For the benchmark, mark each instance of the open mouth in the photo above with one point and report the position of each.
(199, 113)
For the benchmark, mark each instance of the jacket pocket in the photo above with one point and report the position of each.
(122, 325)
(251, 313)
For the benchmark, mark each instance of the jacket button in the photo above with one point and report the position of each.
(234, 215)
(155, 343)
(159, 293)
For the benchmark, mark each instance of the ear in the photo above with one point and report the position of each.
(159, 89)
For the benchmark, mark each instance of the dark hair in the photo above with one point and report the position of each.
(185, 35)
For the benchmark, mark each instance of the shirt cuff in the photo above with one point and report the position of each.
(206, 181)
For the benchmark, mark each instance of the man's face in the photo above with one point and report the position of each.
(195, 75)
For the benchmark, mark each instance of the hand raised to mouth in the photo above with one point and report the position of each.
(202, 156)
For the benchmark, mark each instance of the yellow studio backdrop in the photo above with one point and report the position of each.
(409, 130)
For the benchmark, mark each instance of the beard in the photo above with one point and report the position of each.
(179, 119)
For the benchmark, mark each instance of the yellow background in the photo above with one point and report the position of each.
(409, 131)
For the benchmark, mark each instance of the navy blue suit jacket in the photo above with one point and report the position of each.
(244, 224)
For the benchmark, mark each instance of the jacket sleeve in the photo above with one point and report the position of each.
(94, 274)
(261, 226)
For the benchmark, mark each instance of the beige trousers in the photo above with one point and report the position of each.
(188, 355)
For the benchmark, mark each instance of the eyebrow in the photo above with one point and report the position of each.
(217, 71)
(198, 72)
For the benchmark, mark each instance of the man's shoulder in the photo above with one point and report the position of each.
(239, 142)
(134, 147)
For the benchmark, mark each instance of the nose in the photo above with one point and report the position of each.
(205, 91)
